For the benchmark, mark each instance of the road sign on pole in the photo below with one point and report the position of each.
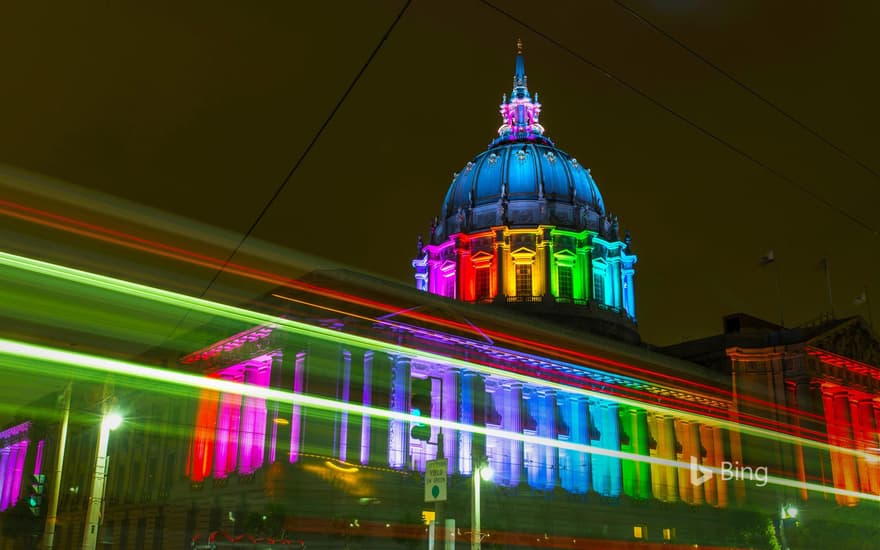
(435, 480)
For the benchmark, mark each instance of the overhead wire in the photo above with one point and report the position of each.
(751, 91)
(693, 124)
(303, 155)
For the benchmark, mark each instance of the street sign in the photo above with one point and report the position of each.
(435, 480)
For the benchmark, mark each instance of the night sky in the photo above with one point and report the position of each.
(201, 110)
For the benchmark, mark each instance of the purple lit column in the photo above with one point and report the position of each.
(296, 415)
(398, 434)
(495, 444)
(343, 395)
(5, 477)
(450, 413)
(367, 400)
(19, 470)
(277, 438)
(228, 419)
(354, 431)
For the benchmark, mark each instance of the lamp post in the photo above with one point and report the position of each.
(52, 514)
(788, 512)
(482, 472)
(109, 422)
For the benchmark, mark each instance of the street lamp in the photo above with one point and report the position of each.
(110, 421)
(484, 472)
(789, 511)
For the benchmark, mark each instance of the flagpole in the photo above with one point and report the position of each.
(868, 305)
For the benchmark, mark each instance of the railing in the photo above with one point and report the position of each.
(524, 299)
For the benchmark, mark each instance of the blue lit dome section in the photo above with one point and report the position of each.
(524, 223)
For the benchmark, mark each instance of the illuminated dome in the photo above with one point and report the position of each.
(523, 223)
(521, 182)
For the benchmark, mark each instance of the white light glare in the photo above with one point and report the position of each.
(112, 420)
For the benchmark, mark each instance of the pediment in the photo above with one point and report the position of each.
(522, 251)
(482, 256)
(852, 339)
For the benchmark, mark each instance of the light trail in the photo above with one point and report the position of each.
(131, 369)
(577, 380)
(295, 327)
(64, 223)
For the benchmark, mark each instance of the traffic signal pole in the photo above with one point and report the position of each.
(52, 511)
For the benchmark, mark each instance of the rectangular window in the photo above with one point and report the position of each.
(482, 284)
(523, 280)
(449, 287)
(599, 287)
(640, 531)
(566, 289)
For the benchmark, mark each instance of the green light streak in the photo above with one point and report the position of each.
(115, 366)
(173, 299)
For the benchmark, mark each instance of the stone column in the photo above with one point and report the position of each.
(513, 423)
(873, 409)
(343, 395)
(640, 447)
(500, 266)
(277, 437)
(398, 430)
(718, 458)
(682, 435)
(798, 396)
(296, 416)
(547, 429)
(466, 416)
(845, 439)
(547, 259)
(367, 401)
(707, 439)
(583, 266)
(580, 433)
(464, 272)
(450, 383)
(695, 451)
(5, 476)
(863, 425)
(667, 451)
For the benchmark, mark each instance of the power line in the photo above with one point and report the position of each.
(750, 90)
(302, 157)
(309, 147)
(794, 183)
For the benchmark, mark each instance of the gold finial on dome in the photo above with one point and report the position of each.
(519, 45)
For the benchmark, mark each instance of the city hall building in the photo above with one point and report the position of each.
(517, 348)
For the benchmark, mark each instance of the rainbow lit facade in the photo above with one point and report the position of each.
(524, 222)
(13, 452)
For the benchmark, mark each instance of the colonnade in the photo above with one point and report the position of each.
(13, 452)
(852, 418)
(240, 435)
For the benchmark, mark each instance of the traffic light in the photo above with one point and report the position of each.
(420, 405)
(38, 485)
